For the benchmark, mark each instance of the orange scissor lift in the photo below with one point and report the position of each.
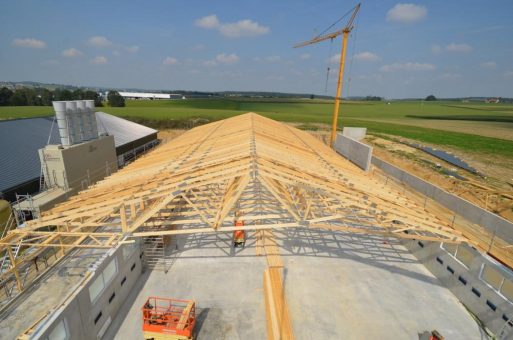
(168, 319)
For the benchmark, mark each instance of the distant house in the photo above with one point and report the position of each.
(148, 95)
(493, 100)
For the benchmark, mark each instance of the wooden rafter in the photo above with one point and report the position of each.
(279, 176)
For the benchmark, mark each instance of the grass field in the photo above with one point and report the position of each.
(478, 127)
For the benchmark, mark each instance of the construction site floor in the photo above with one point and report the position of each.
(337, 286)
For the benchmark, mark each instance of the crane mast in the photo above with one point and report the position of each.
(345, 35)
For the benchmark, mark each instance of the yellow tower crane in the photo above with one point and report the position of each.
(345, 35)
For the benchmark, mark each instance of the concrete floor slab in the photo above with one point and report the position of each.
(225, 283)
(342, 286)
(338, 286)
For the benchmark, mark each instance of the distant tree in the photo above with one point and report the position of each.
(373, 98)
(63, 94)
(19, 98)
(94, 96)
(44, 96)
(312, 96)
(78, 94)
(430, 98)
(115, 99)
(5, 96)
(25, 96)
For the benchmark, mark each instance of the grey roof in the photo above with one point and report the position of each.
(21, 138)
(124, 131)
(19, 141)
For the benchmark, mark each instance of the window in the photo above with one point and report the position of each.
(462, 280)
(98, 317)
(450, 248)
(462, 253)
(132, 268)
(507, 290)
(96, 288)
(128, 250)
(476, 292)
(494, 278)
(112, 297)
(439, 260)
(60, 331)
(99, 284)
(123, 281)
(110, 271)
(491, 305)
(465, 255)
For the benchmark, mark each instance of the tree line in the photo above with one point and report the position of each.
(44, 97)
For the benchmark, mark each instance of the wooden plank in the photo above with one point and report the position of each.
(278, 318)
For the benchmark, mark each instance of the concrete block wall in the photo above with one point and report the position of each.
(355, 151)
(467, 283)
(492, 306)
(86, 320)
(356, 133)
(471, 212)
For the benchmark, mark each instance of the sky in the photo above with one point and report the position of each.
(396, 50)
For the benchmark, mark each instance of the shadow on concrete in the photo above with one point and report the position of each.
(200, 319)
(372, 250)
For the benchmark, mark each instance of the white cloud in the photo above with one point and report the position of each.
(242, 28)
(29, 43)
(99, 41)
(367, 56)
(458, 47)
(208, 22)
(227, 58)
(170, 61)
(100, 60)
(305, 56)
(335, 58)
(50, 62)
(406, 13)
(274, 77)
(210, 63)
(489, 65)
(508, 74)
(407, 67)
(198, 47)
(273, 59)
(436, 49)
(71, 53)
(132, 49)
(450, 75)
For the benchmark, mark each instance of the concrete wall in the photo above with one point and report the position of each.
(80, 165)
(356, 133)
(483, 285)
(471, 212)
(355, 151)
(86, 320)
(460, 269)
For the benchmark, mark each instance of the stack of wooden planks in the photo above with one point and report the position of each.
(279, 326)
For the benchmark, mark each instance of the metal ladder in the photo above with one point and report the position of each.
(156, 255)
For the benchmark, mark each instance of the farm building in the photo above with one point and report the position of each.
(149, 95)
(20, 163)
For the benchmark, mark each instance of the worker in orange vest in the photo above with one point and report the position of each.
(239, 236)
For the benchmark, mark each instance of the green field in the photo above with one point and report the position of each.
(478, 127)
